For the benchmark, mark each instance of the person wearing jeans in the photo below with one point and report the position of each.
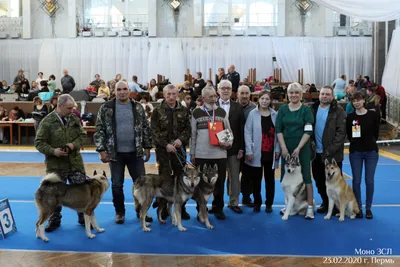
(122, 138)
(362, 127)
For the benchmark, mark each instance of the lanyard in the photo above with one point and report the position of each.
(213, 117)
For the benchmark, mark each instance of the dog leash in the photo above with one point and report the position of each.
(182, 158)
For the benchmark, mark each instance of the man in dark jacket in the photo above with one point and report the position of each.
(67, 83)
(122, 137)
(235, 153)
(170, 131)
(328, 136)
(234, 78)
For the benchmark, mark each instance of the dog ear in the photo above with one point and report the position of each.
(104, 174)
(287, 158)
(204, 167)
(297, 160)
(215, 167)
(334, 162)
(94, 173)
(326, 162)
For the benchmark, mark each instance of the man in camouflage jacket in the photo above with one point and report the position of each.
(59, 137)
(122, 137)
(170, 131)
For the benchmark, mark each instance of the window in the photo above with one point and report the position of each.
(241, 13)
(116, 14)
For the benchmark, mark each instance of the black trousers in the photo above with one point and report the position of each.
(256, 174)
(318, 170)
(218, 201)
(135, 167)
(169, 163)
(245, 180)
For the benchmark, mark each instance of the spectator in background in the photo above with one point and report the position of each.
(153, 89)
(198, 84)
(51, 83)
(367, 82)
(67, 83)
(339, 86)
(380, 91)
(104, 91)
(234, 77)
(39, 79)
(4, 88)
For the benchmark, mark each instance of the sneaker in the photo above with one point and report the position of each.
(310, 213)
(119, 219)
(368, 214)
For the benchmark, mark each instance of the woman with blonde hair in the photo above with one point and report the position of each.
(294, 128)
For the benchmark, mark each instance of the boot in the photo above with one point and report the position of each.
(81, 219)
(54, 221)
(185, 215)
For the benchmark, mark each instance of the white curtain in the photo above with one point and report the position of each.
(322, 59)
(372, 10)
(391, 74)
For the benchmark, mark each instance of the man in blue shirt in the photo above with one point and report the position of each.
(328, 137)
(134, 86)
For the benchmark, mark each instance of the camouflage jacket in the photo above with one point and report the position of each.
(165, 130)
(105, 136)
(52, 134)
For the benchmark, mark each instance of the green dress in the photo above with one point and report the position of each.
(292, 125)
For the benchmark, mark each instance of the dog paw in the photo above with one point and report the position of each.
(45, 239)
(327, 217)
(285, 218)
(91, 236)
(182, 229)
(353, 216)
(341, 219)
(100, 230)
(162, 221)
(146, 229)
(209, 226)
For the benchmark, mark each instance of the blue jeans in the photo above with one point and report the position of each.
(135, 167)
(357, 159)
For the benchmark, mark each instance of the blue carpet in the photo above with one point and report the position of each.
(249, 233)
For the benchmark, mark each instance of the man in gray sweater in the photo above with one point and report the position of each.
(67, 83)
(201, 150)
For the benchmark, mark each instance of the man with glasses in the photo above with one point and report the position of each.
(204, 122)
(122, 138)
(235, 153)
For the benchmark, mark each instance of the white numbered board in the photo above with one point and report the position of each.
(7, 222)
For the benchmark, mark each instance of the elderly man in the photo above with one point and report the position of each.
(57, 131)
(247, 106)
(67, 83)
(170, 130)
(204, 123)
(236, 152)
(122, 137)
(329, 137)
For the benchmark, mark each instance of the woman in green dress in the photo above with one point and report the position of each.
(294, 128)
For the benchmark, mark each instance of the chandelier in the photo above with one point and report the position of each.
(304, 6)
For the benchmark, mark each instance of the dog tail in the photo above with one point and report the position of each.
(51, 178)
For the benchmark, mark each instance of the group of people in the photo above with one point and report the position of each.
(262, 136)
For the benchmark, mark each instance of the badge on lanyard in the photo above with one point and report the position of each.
(356, 129)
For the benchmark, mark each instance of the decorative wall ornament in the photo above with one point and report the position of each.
(175, 5)
(50, 7)
(304, 6)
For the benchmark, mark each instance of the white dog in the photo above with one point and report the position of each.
(294, 188)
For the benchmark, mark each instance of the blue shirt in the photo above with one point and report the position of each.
(320, 122)
(134, 87)
(340, 86)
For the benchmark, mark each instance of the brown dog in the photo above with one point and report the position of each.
(339, 192)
